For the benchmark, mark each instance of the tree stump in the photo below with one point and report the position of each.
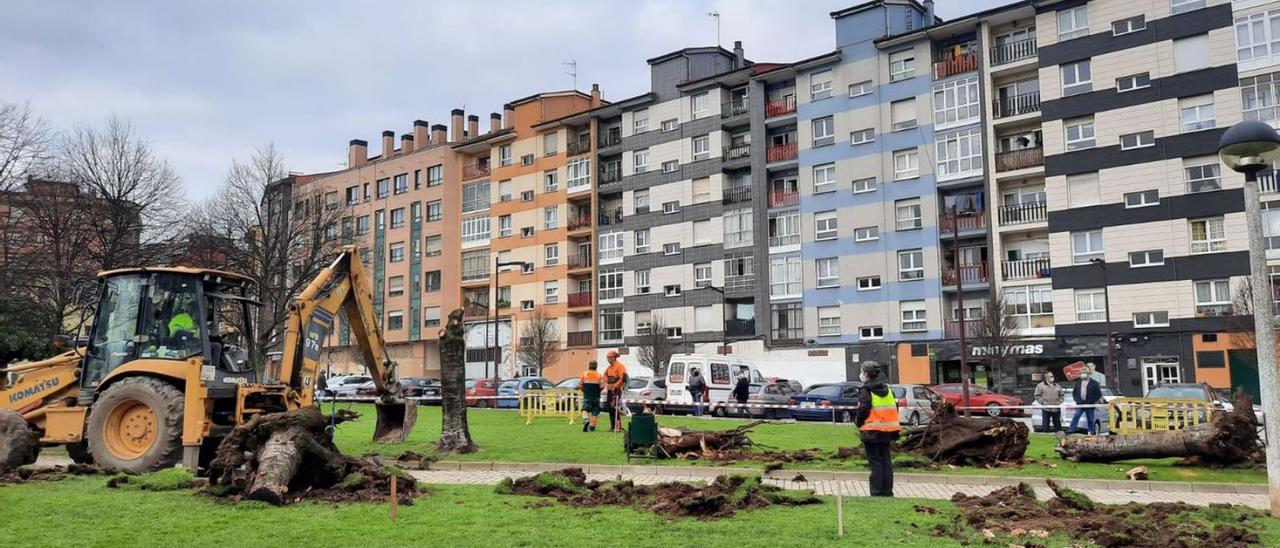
(455, 436)
(276, 453)
(983, 441)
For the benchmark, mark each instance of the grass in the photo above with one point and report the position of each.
(503, 436)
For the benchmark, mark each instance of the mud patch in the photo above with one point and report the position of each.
(36, 472)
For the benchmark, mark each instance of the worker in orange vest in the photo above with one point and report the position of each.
(616, 380)
(591, 384)
(877, 418)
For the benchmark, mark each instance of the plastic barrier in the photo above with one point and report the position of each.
(553, 403)
(1132, 415)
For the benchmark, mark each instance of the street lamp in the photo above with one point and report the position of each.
(1248, 148)
(1107, 366)
(493, 298)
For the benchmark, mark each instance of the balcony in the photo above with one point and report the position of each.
(953, 65)
(737, 152)
(963, 222)
(580, 261)
(966, 273)
(1017, 214)
(579, 222)
(580, 144)
(475, 311)
(475, 274)
(971, 328)
(734, 195)
(783, 153)
(736, 107)
(610, 173)
(1025, 103)
(471, 171)
(611, 137)
(1214, 310)
(579, 338)
(608, 218)
(577, 300)
(784, 198)
(739, 284)
(1013, 51)
(739, 328)
(780, 107)
(1027, 269)
(1019, 159)
(785, 240)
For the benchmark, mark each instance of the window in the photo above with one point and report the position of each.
(702, 275)
(902, 65)
(1086, 246)
(737, 228)
(1083, 190)
(1030, 307)
(401, 183)
(550, 143)
(871, 332)
(671, 248)
(824, 131)
(475, 231)
(1079, 133)
(551, 291)
(701, 232)
(1259, 96)
(700, 105)
(1076, 77)
(526, 305)
(379, 219)
(397, 252)
(906, 164)
(1150, 257)
(960, 154)
(1073, 23)
(475, 197)
(675, 332)
(365, 191)
(786, 277)
(642, 281)
(824, 178)
(956, 102)
(1181, 6)
(828, 321)
(913, 316)
(435, 175)
(1141, 199)
(1191, 53)
(435, 245)
(911, 265)
(868, 283)
(504, 226)
(611, 246)
(1133, 81)
(828, 272)
(526, 268)
(640, 201)
(551, 217)
(640, 121)
(903, 114)
(1196, 113)
(526, 196)
(641, 160)
(353, 195)
(861, 88)
(1208, 235)
(578, 174)
(611, 325)
(1137, 140)
(610, 284)
(642, 241)
(701, 148)
(504, 155)
(1151, 319)
(431, 281)
(1202, 174)
(395, 320)
(861, 137)
(670, 207)
(670, 166)
(395, 286)
(784, 228)
(431, 316)
(362, 224)
(866, 234)
(551, 254)
(824, 225)
(701, 190)
(1091, 305)
(820, 85)
(526, 232)
(416, 214)
(475, 264)
(504, 191)
(864, 185)
(671, 290)
(384, 188)
(1128, 25)
(908, 214)
(549, 182)
(397, 217)
(1213, 298)
(670, 125)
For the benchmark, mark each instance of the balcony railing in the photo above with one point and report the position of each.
(733, 108)
(475, 310)
(739, 328)
(475, 274)
(579, 222)
(1019, 159)
(967, 273)
(579, 261)
(971, 327)
(579, 338)
(1017, 214)
(745, 282)
(610, 173)
(1024, 103)
(737, 152)
(610, 137)
(612, 217)
(787, 335)
(472, 171)
(737, 194)
(580, 299)
(783, 198)
(782, 153)
(580, 144)
(954, 65)
(779, 241)
(963, 222)
(1214, 310)
(780, 107)
(1027, 269)
(611, 294)
(1013, 51)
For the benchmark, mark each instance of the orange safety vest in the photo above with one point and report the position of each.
(618, 371)
(884, 414)
(590, 376)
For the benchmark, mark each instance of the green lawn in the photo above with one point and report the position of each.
(503, 436)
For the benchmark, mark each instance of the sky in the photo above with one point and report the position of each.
(206, 81)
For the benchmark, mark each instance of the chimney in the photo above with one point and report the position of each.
(739, 57)
(421, 134)
(473, 126)
(508, 116)
(928, 13)
(388, 143)
(439, 134)
(406, 143)
(357, 153)
(455, 125)
(595, 95)
(495, 122)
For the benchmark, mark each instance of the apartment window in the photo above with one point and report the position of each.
(828, 321)
(871, 332)
(671, 248)
(1259, 95)
(913, 316)
(1213, 298)
(824, 225)
(1202, 174)
(384, 188)
(551, 254)
(820, 85)
(379, 219)
(640, 121)
(395, 320)
(435, 175)
(1091, 305)
(1083, 189)
(824, 178)
(1076, 77)
(862, 137)
(824, 131)
(397, 252)
(504, 226)
(784, 228)
(701, 232)
(700, 105)
(786, 277)
(549, 182)
(362, 224)
(416, 212)
(1144, 198)
(526, 196)
(956, 102)
(1196, 113)
(475, 231)
(578, 174)
(1151, 319)
(527, 268)
(1181, 6)
(670, 207)
(611, 245)
(1073, 23)
(1133, 81)
(1128, 25)
(475, 197)
(672, 290)
(504, 155)
(435, 245)
(397, 217)
(395, 286)
(431, 316)
(504, 191)
(864, 185)
(1191, 53)
(1086, 246)
(641, 160)
(702, 275)
(551, 217)
(431, 281)
(906, 164)
(902, 65)
(737, 228)
(401, 183)
(675, 332)
(1140, 139)
(701, 148)
(1030, 306)
(1079, 133)
(642, 241)
(861, 88)
(551, 291)
(670, 166)
(610, 284)
(353, 195)
(610, 325)
(365, 192)
(1208, 235)
(526, 232)
(868, 283)
(911, 265)
(704, 319)
(960, 154)
(828, 272)
(550, 143)
(866, 234)
(1150, 257)
(909, 214)
(642, 281)
(902, 114)
(670, 125)
(701, 190)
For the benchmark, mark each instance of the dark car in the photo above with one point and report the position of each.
(422, 387)
(772, 393)
(980, 399)
(817, 403)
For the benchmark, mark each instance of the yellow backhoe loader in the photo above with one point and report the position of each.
(161, 381)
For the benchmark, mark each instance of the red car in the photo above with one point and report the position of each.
(481, 387)
(979, 399)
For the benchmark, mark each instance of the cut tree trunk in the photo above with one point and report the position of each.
(276, 453)
(676, 443)
(1229, 438)
(455, 436)
(982, 441)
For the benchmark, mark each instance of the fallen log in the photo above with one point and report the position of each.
(677, 443)
(1229, 438)
(954, 439)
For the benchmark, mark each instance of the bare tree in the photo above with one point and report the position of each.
(996, 333)
(55, 226)
(655, 348)
(24, 143)
(539, 341)
(1241, 320)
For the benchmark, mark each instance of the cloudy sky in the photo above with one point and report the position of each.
(205, 81)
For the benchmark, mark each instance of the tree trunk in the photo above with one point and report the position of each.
(953, 439)
(455, 437)
(276, 453)
(1228, 438)
(675, 443)
(278, 461)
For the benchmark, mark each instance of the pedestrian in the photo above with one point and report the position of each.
(1087, 393)
(615, 381)
(877, 419)
(1049, 395)
(742, 391)
(697, 387)
(591, 384)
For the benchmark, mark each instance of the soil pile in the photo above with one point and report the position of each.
(725, 446)
(978, 440)
(24, 474)
(721, 498)
(1014, 512)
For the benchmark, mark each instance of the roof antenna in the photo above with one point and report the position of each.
(716, 16)
(573, 71)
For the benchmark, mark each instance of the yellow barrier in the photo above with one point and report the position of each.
(553, 403)
(1134, 415)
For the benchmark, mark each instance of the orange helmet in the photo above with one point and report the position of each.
(612, 354)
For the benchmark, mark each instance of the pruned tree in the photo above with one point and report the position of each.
(455, 435)
(996, 331)
(539, 341)
(655, 348)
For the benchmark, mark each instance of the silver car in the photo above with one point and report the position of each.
(645, 388)
(918, 408)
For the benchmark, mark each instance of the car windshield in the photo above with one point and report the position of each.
(1108, 393)
(829, 391)
(1177, 392)
(471, 383)
(636, 384)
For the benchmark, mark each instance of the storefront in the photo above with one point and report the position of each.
(1017, 367)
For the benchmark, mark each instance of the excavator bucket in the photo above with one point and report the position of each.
(395, 420)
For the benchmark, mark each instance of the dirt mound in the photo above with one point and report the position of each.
(721, 498)
(33, 472)
(1013, 511)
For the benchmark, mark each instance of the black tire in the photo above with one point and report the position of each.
(846, 416)
(482, 404)
(993, 410)
(164, 400)
(915, 419)
(19, 445)
(79, 452)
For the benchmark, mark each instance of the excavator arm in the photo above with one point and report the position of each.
(342, 287)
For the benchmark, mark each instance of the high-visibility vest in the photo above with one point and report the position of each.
(884, 414)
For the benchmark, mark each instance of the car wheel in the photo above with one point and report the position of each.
(718, 411)
(846, 416)
(914, 420)
(482, 404)
(993, 410)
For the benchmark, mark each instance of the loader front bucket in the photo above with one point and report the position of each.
(395, 421)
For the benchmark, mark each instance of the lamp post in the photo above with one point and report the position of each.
(1248, 148)
(1108, 367)
(724, 322)
(492, 351)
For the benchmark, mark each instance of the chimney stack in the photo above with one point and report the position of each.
(928, 13)
(406, 143)
(439, 134)
(495, 122)
(357, 153)
(388, 143)
(595, 95)
(473, 126)
(421, 134)
(739, 57)
(508, 116)
(455, 125)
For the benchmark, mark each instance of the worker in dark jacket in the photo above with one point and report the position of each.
(1087, 394)
(741, 392)
(877, 418)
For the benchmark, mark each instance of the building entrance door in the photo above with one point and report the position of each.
(1160, 370)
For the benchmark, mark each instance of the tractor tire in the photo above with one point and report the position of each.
(136, 426)
(79, 452)
(19, 445)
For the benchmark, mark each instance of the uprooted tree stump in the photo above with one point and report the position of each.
(677, 443)
(954, 439)
(1229, 438)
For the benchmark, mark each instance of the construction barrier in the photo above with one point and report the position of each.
(1134, 415)
(553, 403)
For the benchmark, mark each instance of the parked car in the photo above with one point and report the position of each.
(796, 387)
(979, 398)
(816, 404)
(1101, 417)
(515, 387)
(479, 392)
(915, 403)
(570, 383)
(645, 388)
(347, 386)
(337, 381)
(774, 393)
(1199, 392)
(422, 387)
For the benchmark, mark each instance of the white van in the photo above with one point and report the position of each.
(720, 372)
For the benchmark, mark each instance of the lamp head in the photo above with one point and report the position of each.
(1249, 146)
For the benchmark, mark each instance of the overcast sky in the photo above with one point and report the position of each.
(207, 81)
